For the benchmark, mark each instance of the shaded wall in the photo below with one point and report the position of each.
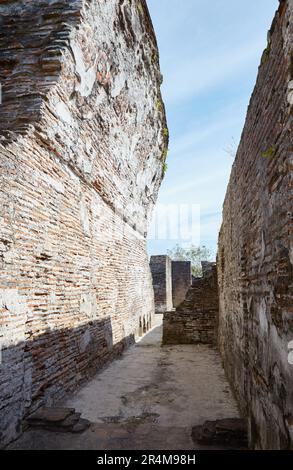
(161, 269)
(181, 281)
(81, 155)
(255, 260)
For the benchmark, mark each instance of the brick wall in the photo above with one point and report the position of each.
(195, 321)
(161, 269)
(81, 156)
(181, 281)
(256, 250)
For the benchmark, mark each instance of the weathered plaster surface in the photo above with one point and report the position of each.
(255, 250)
(81, 163)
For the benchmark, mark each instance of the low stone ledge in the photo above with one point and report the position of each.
(58, 419)
(229, 432)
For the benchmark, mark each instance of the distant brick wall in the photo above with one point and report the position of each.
(181, 281)
(256, 250)
(195, 321)
(161, 269)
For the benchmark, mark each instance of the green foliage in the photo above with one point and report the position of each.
(165, 132)
(154, 57)
(165, 154)
(140, 8)
(267, 50)
(269, 153)
(195, 254)
(266, 54)
(163, 159)
(159, 105)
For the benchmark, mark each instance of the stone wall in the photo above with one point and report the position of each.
(181, 281)
(255, 265)
(161, 269)
(82, 149)
(195, 321)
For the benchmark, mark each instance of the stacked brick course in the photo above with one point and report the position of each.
(161, 269)
(181, 281)
(256, 250)
(82, 139)
(195, 321)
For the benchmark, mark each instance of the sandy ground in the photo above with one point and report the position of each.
(148, 399)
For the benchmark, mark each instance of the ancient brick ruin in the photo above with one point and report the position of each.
(161, 269)
(190, 305)
(181, 281)
(83, 141)
(171, 281)
(195, 320)
(255, 265)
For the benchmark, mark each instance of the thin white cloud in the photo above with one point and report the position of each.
(203, 132)
(197, 183)
(191, 76)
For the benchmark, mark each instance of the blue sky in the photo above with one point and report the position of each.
(209, 54)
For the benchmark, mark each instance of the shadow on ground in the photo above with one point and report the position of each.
(150, 398)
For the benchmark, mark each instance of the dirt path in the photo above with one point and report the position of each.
(148, 399)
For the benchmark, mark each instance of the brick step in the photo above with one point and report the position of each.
(58, 419)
